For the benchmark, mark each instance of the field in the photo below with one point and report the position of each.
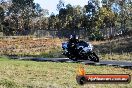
(30, 74)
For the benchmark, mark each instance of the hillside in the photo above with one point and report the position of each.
(121, 45)
(27, 45)
(118, 49)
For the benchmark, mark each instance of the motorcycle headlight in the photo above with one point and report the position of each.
(90, 47)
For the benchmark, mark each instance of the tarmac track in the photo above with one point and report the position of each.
(123, 64)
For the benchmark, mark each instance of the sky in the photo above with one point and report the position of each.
(51, 5)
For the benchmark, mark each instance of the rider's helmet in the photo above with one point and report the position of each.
(74, 38)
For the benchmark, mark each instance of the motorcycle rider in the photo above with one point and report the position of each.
(76, 49)
(72, 44)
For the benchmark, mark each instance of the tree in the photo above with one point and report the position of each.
(1, 14)
(107, 20)
(60, 5)
(52, 21)
(21, 12)
(90, 16)
(125, 13)
(40, 11)
(1, 17)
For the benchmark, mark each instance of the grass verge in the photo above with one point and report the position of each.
(30, 74)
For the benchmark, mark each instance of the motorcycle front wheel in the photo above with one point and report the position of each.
(72, 57)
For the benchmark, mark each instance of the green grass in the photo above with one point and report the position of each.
(30, 74)
(7, 83)
(3, 58)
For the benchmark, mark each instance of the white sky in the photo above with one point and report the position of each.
(51, 5)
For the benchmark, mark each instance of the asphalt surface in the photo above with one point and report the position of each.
(124, 64)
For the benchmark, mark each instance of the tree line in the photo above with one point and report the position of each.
(98, 19)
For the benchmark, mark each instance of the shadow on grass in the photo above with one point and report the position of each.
(8, 83)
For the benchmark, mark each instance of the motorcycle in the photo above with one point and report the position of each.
(79, 51)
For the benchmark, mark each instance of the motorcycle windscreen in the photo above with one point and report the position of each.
(87, 47)
(64, 45)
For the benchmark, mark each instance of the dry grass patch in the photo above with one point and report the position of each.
(117, 57)
(28, 45)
